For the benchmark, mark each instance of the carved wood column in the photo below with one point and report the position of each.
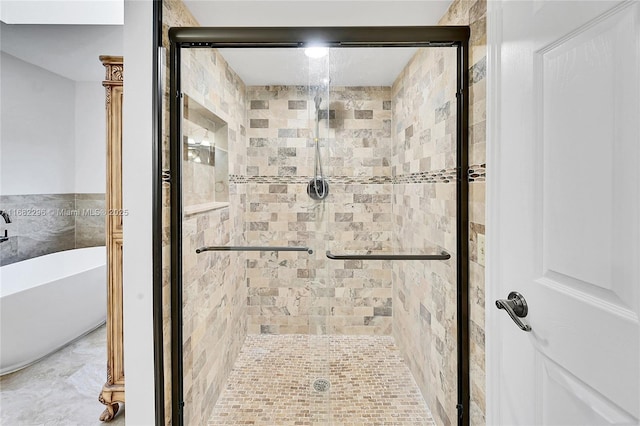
(113, 390)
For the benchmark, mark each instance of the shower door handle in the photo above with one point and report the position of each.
(442, 256)
(516, 307)
(253, 248)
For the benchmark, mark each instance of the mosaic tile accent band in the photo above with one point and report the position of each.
(292, 180)
(438, 176)
(476, 173)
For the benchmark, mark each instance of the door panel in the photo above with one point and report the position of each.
(585, 292)
(569, 199)
(583, 96)
(569, 401)
(588, 340)
(576, 131)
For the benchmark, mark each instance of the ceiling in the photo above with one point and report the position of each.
(347, 66)
(72, 50)
(68, 50)
(342, 66)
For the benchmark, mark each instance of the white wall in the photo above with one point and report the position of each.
(98, 12)
(90, 137)
(53, 132)
(37, 137)
(137, 198)
(68, 50)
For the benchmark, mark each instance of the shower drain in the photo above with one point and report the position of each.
(321, 385)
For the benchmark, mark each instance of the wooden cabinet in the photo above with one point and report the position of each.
(113, 390)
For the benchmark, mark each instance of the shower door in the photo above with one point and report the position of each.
(319, 212)
(254, 297)
(391, 221)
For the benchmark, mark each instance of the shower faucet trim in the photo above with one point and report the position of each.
(7, 219)
(318, 187)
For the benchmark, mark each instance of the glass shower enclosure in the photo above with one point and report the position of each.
(319, 225)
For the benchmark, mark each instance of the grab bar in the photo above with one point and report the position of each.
(253, 248)
(442, 256)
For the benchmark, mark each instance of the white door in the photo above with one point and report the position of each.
(564, 212)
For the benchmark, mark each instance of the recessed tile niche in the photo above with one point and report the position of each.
(205, 159)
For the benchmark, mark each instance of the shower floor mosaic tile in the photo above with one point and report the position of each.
(272, 383)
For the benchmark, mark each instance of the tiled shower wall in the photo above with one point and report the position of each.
(362, 213)
(214, 294)
(48, 223)
(424, 209)
(473, 13)
(214, 287)
(298, 292)
(424, 213)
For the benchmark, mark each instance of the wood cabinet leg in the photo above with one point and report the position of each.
(112, 407)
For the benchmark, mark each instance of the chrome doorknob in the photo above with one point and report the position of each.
(516, 307)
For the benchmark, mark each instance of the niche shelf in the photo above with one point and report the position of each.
(205, 159)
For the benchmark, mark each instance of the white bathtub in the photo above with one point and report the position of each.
(49, 301)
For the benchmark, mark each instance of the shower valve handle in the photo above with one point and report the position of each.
(516, 307)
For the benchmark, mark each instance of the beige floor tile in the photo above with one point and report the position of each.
(272, 383)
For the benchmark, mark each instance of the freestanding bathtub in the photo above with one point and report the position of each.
(49, 301)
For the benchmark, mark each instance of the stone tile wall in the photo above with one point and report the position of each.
(214, 284)
(473, 13)
(298, 292)
(48, 223)
(214, 310)
(205, 168)
(424, 213)
(174, 14)
(376, 193)
(424, 141)
(214, 289)
(90, 227)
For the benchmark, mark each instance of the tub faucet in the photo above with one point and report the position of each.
(5, 216)
(7, 219)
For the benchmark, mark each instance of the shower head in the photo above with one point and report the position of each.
(317, 99)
